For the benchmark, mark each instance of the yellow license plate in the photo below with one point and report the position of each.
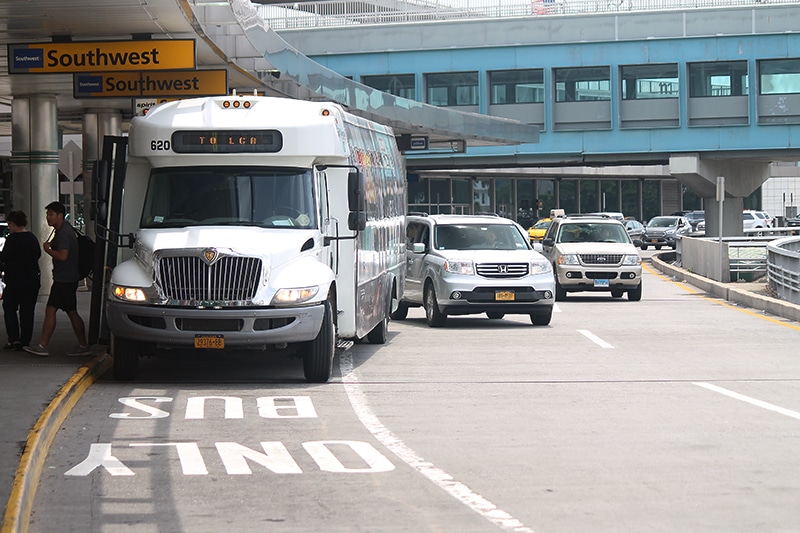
(216, 342)
(504, 296)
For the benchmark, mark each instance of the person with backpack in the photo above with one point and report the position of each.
(63, 248)
(20, 258)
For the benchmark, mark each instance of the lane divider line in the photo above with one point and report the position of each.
(440, 478)
(40, 437)
(594, 338)
(748, 399)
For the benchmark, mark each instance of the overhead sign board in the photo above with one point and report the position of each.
(142, 105)
(69, 57)
(180, 83)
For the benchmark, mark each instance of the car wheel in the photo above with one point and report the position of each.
(644, 247)
(617, 293)
(380, 332)
(401, 312)
(495, 315)
(561, 294)
(433, 316)
(541, 319)
(634, 295)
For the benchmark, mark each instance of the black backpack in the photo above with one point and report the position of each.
(85, 255)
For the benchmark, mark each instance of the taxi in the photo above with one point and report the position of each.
(537, 231)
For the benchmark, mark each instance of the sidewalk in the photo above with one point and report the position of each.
(28, 384)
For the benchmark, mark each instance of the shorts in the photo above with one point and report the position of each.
(63, 296)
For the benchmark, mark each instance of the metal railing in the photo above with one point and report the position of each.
(783, 268)
(331, 13)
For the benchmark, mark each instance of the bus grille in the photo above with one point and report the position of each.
(190, 279)
(502, 270)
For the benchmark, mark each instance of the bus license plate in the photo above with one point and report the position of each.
(216, 342)
(601, 283)
(505, 296)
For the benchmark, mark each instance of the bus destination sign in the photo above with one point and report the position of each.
(226, 141)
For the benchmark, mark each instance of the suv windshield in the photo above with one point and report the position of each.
(592, 232)
(236, 196)
(662, 222)
(479, 237)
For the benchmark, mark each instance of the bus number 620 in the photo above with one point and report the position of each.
(159, 145)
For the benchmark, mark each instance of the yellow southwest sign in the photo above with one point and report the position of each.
(48, 58)
(181, 83)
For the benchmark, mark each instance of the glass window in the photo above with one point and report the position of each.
(630, 197)
(720, 78)
(568, 195)
(525, 202)
(546, 194)
(641, 82)
(440, 195)
(651, 199)
(779, 76)
(401, 85)
(462, 195)
(516, 86)
(452, 89)
(609, 195)
(504, 198)
(589, 201)
(582, 84)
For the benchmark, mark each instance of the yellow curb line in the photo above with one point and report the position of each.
(37, 446)
(720, 301)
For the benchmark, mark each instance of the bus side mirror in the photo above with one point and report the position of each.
(356, 201)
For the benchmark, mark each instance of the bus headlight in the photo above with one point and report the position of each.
(128, 294)
(294, 296)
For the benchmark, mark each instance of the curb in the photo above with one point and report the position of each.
(731, 293)
(37, 445)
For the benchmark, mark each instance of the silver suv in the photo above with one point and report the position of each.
(470, 264)
(591, 253)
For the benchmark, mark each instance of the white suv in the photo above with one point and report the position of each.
(591, 253)
(470, 264)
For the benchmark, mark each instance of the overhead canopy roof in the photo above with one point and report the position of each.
(228, 35)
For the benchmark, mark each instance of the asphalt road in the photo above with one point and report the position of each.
(676, 413)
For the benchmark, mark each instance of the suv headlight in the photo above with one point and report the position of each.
(465, 268)
(568, 259)
(540, 267)
(629, 260)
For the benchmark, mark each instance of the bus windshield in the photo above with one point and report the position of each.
(234, 196)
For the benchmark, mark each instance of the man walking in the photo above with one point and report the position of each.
(63, 248)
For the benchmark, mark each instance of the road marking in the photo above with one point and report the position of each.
(748, 399)
(693, 290)
(594, 338)
(439, 477)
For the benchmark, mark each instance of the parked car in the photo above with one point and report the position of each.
(536, 232)
(590, 253)
(634, 228)
(664, 231)
(695, 217)
(753, 220)
(471, 264)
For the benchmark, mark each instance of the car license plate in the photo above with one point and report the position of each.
(601, 283)
(504, 296)
(653, 240)
(216, 342)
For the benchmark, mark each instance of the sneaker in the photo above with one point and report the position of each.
(39, 350)
(79, 351)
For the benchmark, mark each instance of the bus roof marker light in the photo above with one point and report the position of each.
(226, 104)
(326, 112)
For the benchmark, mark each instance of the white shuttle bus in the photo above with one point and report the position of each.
(258, 222)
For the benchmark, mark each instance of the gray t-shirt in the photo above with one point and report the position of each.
(65, 239)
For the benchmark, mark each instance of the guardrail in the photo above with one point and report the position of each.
(783, 268)
(330, 13)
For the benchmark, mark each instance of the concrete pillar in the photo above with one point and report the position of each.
(34, 164)
(742, 177)
(96, 125)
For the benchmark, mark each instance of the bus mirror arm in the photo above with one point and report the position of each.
(110, 236)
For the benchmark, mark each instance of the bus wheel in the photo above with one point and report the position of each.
(401, 312)
(126, 358)
(318, 360)
(379, 333)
